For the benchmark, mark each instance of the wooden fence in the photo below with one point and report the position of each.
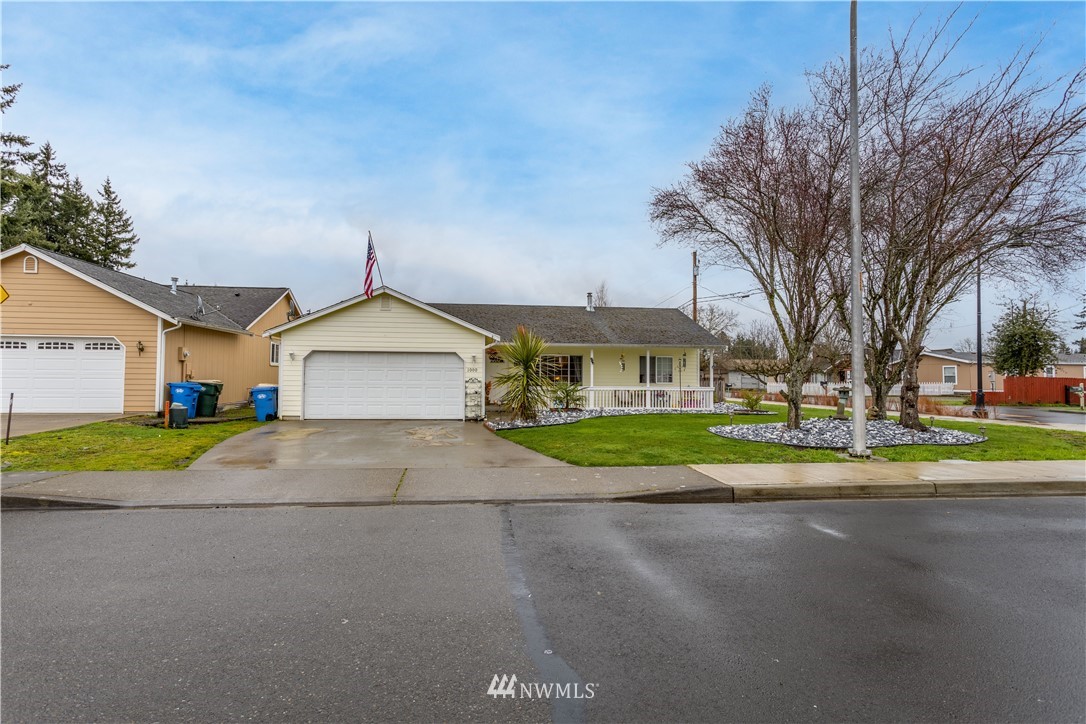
(1033, 390)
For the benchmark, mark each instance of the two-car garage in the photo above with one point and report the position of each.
(388, 357)
(384, 386)
(63, 374)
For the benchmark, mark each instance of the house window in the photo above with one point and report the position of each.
(30, 265)
(1050, 371)
(564, 368)
(274, 353)
(660, 369)
(950, 375)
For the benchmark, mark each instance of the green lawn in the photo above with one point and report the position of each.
(118, 445)
(683, 440)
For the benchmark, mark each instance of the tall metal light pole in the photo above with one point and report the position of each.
(979, 410)
(859, 397)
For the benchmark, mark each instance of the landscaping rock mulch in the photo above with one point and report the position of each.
(565, 417)
(837, 434)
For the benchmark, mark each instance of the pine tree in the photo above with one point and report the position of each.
(1024, 340)
(113, 238)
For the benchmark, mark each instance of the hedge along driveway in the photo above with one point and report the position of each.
(685, 440)
(118, 445)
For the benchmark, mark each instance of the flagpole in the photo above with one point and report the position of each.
(376, 258)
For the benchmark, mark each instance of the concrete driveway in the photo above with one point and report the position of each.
(360, 444)
(27, 423)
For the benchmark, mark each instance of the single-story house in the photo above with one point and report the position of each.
(78, 337)
(394, 357)
(1067, 365)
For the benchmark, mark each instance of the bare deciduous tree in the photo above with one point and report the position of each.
(956, 172)
(602, 296)
(767, 199)
(720, 322)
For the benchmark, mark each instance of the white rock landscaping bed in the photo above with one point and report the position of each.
(837, 434)
(564, 417)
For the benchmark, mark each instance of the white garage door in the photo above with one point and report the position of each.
(383, 386)
(62, 374)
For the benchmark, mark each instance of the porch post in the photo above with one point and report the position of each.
(648, 378)
(712, 379)
(591, 378)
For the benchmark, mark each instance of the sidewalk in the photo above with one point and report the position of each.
(679, 484)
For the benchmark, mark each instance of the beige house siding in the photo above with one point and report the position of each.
(382, 324)
(54, 302)
(239, 360)
(1069, 370)
(930, 370)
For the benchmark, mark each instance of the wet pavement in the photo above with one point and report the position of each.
(1041, 415)
(367, 444)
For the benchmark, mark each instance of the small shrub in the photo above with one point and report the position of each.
(752, 399)
(568, 395)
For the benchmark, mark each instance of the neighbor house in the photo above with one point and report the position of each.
(394, 357)
(78, 337)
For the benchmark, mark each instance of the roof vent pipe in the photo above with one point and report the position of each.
(173, 285)
(590, 307)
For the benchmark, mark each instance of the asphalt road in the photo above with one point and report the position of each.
(1043, 415)
(930, 610)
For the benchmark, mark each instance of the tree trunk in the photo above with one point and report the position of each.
(880, 393)
(794, 398)
(910, 390)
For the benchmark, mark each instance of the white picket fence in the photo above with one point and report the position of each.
(927, 389)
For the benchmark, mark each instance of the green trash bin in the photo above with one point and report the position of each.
(208, 401)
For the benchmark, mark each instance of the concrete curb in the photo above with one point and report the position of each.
(869, 490)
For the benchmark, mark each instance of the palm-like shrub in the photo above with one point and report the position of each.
(568, 395)
(527, 383)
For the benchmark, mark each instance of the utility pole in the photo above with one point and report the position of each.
(694, 254)
(859, 397)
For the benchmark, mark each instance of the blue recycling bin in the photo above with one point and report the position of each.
(186, 393)
(266, 402)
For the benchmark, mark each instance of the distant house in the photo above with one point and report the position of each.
(956, 372)
(77, 337)
(394, 357)
(1067, 365)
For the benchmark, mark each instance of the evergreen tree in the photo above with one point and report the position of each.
(1024, 340)
(16, 147)
(113, 238)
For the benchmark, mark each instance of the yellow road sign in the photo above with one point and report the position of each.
(3, 294)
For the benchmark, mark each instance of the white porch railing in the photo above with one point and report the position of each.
(653, 398)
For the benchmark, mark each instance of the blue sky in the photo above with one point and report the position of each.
(499, 152)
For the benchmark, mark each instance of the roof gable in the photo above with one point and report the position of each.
(148, 295)
(346, 303)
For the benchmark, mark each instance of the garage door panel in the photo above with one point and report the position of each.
(53, 374)
(384, 385)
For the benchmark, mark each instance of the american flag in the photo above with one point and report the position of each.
(371, 260)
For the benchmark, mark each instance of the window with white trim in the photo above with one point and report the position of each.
(1050, 371)
(275, 353)
(563, 367)
(660, 369)
(55, 345)
(101, 346)
(950, 374)
(30, 265)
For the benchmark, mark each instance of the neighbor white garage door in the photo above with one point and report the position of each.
(383, 386)
(62, 374)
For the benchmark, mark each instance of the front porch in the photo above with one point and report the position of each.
(650, 398)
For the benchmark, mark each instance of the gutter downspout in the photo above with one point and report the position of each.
(160, 365)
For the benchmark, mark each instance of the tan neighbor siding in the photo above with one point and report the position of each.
(930, 370)
(366, 327)
(240, 361)
(54, 302)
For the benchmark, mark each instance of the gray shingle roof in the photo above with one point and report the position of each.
(181, 306)
(635, 326)
(243, 305)
(1071, 359)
